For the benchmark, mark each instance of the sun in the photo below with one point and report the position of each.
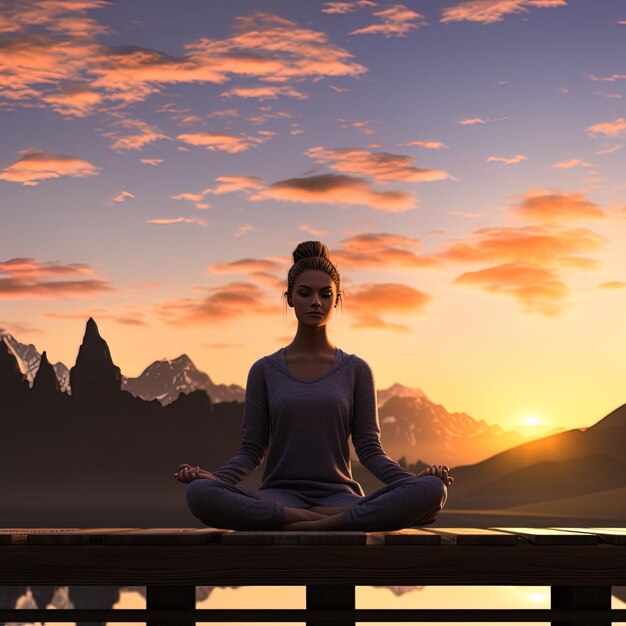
(532, 420)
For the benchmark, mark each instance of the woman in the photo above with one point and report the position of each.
(302, 404)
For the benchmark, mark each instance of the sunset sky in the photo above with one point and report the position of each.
(463, 161)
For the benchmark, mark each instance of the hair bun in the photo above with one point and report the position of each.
(310, 248)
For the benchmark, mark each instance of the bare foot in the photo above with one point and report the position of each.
(327, 522)
(296, 515)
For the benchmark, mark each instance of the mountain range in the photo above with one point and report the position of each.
(102, 456)
(412, 426)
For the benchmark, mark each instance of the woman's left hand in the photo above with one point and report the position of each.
(441, 471)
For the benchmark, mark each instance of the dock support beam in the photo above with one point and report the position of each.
(581, 597)
(330, 597)
(170, 597)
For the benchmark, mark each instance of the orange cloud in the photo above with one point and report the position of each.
(38, 67)
(370, 301)
(531, 244)
(518, 158)
(337, 189)
(25, 277)
(537, 289)
(381, 251)
(264, 93)
(616, 128)
(396, 21)
(35, 167)
(243, 266)
(230, 184)
(180, 220)
(73, 100)
(224, 142)
(491, 11)
(546, 206)
(381, 166)
(151, 161)
(147, 134)
(613, 284)
(223, 304)
(341, 8)
(193, 198)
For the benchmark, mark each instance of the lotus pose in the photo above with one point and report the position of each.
(302, 404)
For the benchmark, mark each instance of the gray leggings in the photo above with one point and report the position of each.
(411, 501)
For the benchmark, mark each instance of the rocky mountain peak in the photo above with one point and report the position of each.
(94, 365)
(46, 380)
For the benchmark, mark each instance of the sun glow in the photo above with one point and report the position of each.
(532, 420)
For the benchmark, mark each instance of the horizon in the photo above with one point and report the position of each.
(462, 161)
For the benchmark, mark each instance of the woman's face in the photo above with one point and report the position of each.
(314, 291)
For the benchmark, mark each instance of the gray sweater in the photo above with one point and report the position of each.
(306, 425)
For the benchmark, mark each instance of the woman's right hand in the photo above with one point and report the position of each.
(186, 473)
(438, 470)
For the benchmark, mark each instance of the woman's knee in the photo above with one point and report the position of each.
(436, 488)
(197, 492)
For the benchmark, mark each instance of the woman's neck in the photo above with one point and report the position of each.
(312, 341)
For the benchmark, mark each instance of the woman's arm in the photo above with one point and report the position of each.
(254, 430)
(366, 430)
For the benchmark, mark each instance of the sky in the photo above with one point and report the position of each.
(462, 160)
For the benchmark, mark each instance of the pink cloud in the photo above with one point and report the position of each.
(429, 145)
(316, 232)
(198, 221)
(264, 92)
(491, 11)
(518, 158)
(121, 197)
(396, 21)
(567, 165)
(36, 167)
(617, 128)
(470, 121)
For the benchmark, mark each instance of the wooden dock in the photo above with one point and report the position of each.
(579, 564)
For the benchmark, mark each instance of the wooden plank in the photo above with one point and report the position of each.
(551, 537)
(58, 536)
(164, 536)
(474, 536)
(616, 536)
(404, 537)
(294, 537)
